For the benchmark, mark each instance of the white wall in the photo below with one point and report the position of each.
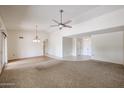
(67, 46)
(109, 20)
(2, 29)
(2, 26)
(0, 52)
(123, 46)
(55, 44)
(74, 46)
(108, 47)
(21, 48)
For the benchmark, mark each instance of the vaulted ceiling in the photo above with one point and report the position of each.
(26, 17)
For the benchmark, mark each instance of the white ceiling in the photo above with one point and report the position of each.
(26, 17)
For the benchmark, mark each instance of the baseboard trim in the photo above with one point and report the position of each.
(55, 57)
(107, 61)
(18, 59)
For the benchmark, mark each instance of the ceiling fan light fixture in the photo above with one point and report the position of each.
(60, 26)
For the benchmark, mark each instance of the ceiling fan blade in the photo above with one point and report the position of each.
(68, 26)
(69, 21)
(53, 25)
(55, 21)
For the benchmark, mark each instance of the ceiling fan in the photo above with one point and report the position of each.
(61, 24)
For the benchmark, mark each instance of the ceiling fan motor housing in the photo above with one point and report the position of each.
(61, 10)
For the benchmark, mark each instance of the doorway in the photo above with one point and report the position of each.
(87, 46)
(45, 47)
(3, 50)
(79, 47)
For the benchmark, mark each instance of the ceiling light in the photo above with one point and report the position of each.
(60, 26)
(36, 39)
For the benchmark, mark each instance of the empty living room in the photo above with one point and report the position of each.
(62, 46)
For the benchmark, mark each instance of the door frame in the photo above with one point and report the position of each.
(45, 47)
(3, 49)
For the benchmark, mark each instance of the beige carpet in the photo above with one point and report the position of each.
(62, 74)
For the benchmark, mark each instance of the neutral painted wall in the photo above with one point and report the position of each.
(109, 20)
(67, 46)
(74, 47)
(21, 48)
(123, 46)
(108, 47)
(55, 44)
(2, 26)
(0, 52)
(2, 29)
